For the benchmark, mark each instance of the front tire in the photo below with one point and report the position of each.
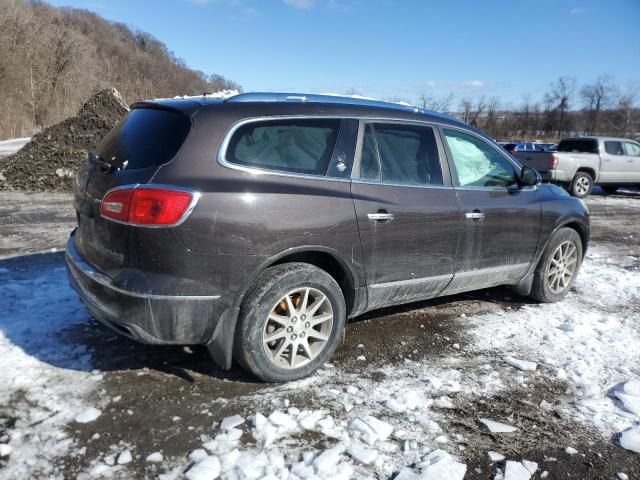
(581, 185)
(290, 322)
(558, 267)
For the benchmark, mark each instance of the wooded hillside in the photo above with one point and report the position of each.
(53, 59)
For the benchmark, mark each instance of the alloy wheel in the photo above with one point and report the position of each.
(297, 328)
(562, 267)
(582, 185)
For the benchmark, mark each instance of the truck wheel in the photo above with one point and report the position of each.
(290, 322)
(609, 189)
(581, 185)
(558, 267)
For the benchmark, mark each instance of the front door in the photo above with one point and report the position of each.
(407, 212)
(501, 222)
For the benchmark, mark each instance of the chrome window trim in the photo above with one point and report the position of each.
(364, 121)
(195, 197)
(516, 165)
(390, 184)
(224, 145)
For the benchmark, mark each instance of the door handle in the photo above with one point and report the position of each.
(381, 216)
(475, 215)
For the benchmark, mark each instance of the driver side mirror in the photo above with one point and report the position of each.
(529, 177)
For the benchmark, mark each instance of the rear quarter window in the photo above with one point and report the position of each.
(145, 138)
(578, 146)
(295, 145)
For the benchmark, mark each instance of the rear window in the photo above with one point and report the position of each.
(295, 145)
(578, 146)
(145, 138)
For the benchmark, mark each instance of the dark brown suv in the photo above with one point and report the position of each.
(257, 225)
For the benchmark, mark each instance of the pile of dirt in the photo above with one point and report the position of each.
(49, 161)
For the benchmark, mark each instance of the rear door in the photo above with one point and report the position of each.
(501, 222)
(407, 212)
(129, 154)
(614, 166)
(632, 156)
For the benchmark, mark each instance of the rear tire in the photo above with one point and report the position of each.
(558, 267)
(581, 185)
(302, 309)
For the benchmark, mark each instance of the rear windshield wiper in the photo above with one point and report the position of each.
(98, 160)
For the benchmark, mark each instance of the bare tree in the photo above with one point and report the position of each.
(471, 111)
(558, 98)
(435, 103)
(597, 96)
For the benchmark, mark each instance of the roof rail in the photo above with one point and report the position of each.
(318, 98)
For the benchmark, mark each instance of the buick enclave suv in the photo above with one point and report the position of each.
(259, 224)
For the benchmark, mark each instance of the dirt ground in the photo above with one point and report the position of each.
(156, 384)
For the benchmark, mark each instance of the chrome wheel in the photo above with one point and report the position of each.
(297, 328)
(582, 185)
(562, 267)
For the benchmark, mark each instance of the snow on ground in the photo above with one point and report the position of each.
(43, 380)
(380, 428)
(9, 147)
(580, 340)
(376, 422)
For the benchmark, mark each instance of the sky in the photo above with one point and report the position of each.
(394, 49)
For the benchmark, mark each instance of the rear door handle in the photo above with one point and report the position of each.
(475, 215)
(381, 216)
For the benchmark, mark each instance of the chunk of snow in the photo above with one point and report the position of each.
(326, 462)
(206, 469)
(124, 457)
(622, 476)
(495, 456)
(371, 429)
(519, 471)
(521, 364)
(630, 439)
(631, 387)
(282, 419)
(363, 455)
(89, 415)
(630, 403)
(198, 454)
(100, 470)
(155, 457)
(231, 422)
(497, 427)
(440, 465)
(361, 358)
(5, 450)
(571, 450)
(405, 400)
(531, 466)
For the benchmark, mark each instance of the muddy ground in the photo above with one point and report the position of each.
(156, 384)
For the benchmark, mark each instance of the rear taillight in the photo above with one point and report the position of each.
(553, 161)
(151, 206)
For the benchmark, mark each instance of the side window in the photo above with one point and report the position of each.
(369, 166)
(476, 163)
(296, 145)
(632, 149)
(613, 148)
(408, 154)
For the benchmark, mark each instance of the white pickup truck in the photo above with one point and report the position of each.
(581, 162)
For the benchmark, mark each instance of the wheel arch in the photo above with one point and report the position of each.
(325, 259)
(590, 170)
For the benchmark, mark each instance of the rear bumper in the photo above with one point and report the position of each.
(143, 316)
